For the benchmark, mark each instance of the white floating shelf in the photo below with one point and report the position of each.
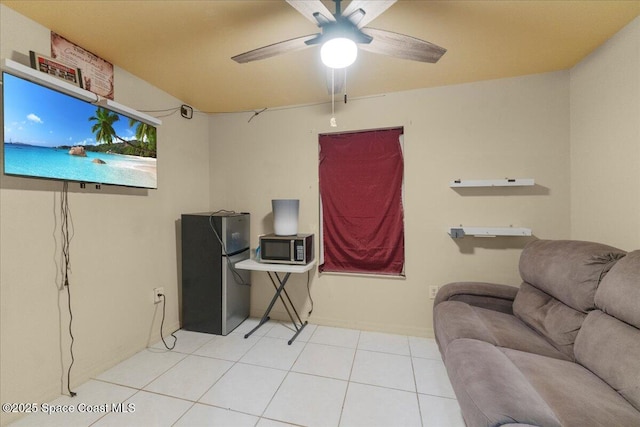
(55, 83)
(44, 79)
(130, 112)
(459, 232)
(507, 182)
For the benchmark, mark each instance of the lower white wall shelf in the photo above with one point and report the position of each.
(507, 182)
(459, 232)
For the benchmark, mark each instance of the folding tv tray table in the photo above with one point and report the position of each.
(252, 264)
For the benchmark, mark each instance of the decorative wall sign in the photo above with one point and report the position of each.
(55, 68)
(97, 74)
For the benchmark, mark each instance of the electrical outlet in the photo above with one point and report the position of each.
(433, 290)
(156, 298)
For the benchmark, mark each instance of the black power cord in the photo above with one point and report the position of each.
(175, 339)
(309, 292)
(66, 230)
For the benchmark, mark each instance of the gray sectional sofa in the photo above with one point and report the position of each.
(563, 349)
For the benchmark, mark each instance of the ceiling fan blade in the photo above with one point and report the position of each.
(401, 46)
(313, 10)
(372, 9)
(264, 52)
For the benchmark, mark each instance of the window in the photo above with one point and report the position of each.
(362, 219)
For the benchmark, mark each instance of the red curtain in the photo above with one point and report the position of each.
(361, 193)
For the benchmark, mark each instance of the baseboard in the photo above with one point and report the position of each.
(414, 331)
(391, 328)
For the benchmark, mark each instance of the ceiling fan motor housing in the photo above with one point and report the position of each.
(342, 27)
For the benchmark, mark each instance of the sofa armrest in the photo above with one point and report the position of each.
(480, 294)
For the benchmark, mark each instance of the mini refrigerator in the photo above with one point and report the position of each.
(215, 296)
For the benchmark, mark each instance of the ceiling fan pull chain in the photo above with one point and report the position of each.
(345, 85)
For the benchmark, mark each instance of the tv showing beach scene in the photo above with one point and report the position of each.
(48, 134)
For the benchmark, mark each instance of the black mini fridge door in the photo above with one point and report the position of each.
(215, 296)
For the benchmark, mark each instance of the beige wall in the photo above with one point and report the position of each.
(605, 142)
(515, 127)
(124, 246)
(125, 239)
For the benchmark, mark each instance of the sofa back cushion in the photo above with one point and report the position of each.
(609, 348)
(619, 293)
(568, 270)
(557, 322)
(560, 282)
(608, 343)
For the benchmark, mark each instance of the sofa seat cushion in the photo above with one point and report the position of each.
(577, 396)
(455, 319)
(499, 386)
(491, 390)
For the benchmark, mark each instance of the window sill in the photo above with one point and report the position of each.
(365, 275)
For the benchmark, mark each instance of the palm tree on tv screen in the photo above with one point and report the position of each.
(103, 128)
(105, 133)
(145, 135)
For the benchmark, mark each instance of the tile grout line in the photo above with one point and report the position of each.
(207, 390)
(233, 363)
(283, 380)
(353, 363)
(415, 382)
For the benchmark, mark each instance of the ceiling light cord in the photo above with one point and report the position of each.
(332, 121)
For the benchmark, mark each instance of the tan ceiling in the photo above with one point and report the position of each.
(184, 47)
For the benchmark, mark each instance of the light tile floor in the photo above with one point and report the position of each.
(327, 377)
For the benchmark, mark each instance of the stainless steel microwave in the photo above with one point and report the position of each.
(296, 249)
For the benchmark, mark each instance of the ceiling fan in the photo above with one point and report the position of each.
(347, 28)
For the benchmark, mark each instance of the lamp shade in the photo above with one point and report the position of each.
(339, 52)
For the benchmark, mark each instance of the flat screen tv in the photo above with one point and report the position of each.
(48, 134)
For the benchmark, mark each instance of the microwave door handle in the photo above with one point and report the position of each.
(293, 250)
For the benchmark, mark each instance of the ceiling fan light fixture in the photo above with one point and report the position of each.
(339, 52)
